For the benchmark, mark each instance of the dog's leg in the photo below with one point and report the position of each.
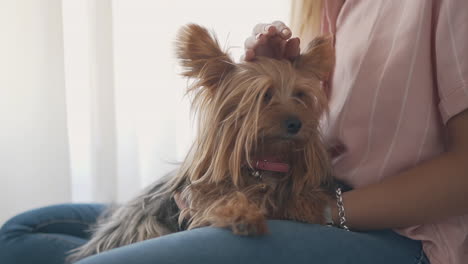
(239, 214)
(139, 219)
(308, 207)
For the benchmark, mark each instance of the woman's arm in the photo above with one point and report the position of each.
(433, 190)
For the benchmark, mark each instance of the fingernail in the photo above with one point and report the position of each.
(285, 32)
(259, 36)
(267, 28)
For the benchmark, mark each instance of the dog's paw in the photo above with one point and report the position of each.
(250, 227)
(247, 221)
(241, 216)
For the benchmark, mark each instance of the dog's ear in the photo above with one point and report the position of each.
(201, 56)
(319, 58)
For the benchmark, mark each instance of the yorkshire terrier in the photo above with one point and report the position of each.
(258, 153)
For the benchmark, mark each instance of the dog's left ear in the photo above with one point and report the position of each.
(201, 56)
(319, 58)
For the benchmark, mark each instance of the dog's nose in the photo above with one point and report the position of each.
(292, 125)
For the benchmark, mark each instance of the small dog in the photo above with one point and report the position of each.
(258, 153)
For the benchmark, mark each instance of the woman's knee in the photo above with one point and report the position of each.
(287, 242)
(69, 219)
(45, 235)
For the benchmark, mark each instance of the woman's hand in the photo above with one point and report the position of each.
(271, 40)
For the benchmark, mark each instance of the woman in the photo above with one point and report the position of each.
(398, 125)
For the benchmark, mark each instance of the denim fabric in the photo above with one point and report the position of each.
(43, 236)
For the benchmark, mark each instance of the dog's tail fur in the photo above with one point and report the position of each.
(152, 214)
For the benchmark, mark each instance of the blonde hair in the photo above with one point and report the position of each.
(306, 16)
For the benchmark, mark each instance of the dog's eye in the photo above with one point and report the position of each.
(267, 96)
(299, 95)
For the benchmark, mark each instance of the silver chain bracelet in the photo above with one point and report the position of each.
(341, 209)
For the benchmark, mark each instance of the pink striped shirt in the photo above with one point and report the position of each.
(401, 73)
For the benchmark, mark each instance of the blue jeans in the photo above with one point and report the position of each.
(44, 236)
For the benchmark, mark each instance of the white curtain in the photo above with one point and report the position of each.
(34, 159)
(106, 75)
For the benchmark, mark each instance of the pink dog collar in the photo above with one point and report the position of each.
(271, 166)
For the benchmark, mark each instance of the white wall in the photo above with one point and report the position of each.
(34, 164)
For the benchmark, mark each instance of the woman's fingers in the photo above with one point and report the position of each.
(277, 45)
(271, 40)
(275, 28)
(292, 49)
(283, 30)
(266, 29)
(249, 55)
(253, 42)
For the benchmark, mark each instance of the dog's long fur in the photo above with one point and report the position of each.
(240, 109)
